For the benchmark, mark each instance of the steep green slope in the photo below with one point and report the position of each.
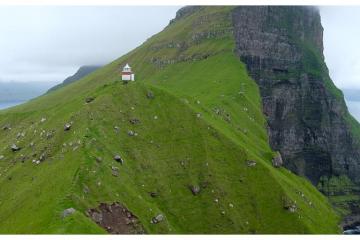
(201, 128)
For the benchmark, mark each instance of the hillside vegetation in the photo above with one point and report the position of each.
(192, 120)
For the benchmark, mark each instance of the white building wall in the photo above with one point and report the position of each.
(126, 77)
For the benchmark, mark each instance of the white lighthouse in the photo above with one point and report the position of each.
(127, 74)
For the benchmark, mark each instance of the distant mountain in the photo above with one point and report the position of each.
(22, 91)
(82, 72)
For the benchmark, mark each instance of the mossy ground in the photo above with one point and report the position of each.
(202, 126)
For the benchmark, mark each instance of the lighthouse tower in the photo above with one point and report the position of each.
(127, 74)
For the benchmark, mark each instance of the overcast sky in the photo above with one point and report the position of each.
(342, 44)
(50, 43)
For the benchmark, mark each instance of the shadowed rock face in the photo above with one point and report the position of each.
(308, 121)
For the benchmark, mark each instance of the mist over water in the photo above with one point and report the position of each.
(4, 105)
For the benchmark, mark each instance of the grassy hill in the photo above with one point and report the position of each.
(192, 118)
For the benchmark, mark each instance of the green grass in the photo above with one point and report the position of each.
(190, 142)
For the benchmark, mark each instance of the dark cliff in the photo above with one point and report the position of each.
(308, 121)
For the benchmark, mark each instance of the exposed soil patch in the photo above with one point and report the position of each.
(116, 219)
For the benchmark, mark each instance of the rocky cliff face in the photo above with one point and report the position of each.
(308, 121)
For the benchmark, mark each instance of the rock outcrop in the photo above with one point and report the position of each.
(308, 121)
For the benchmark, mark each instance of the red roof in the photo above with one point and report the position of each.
(126, 73)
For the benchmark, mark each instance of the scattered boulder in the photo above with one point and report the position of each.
(42, 157)
(6, 127)
(114, 171)
(89, 99)
(277, 160)
(194, 189)
(15, 148)
(289, 204)
(2, 157)
(67, 212)
(119, 159)
(67, 126)
(99, 159)
(97, 217)
(250, 163)
(153, 194)
(134, 121)
(150, 95)
(131, 133)
(86, 189)
(157, 219)
(20, 134)
(49, 135)
(43, 120)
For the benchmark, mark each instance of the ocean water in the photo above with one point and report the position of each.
(4, 105)
(354, 109)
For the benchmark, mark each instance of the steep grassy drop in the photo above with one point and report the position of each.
(199, 123)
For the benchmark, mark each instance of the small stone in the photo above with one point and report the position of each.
(99, 159)
(289, 205)
(43, 120)
(195, 190)
(115, 173)
(67, 127)
(216, 200)
(277, 160)
(86, 189)
(157, 219)
(251, 163)
(97, 217)
(37, 162)
(150, 95)
(134, 121)
(154, 194)
(222, 212)
(1, 157)
(42, 157)
(15, 148)
(119, 159)
(231, 205)
(131, 133)
(67, 212)
(89, 99)
(155, 117)
(6, 127)
(198, 115)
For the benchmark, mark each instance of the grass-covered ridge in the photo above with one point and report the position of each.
(202, 126)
